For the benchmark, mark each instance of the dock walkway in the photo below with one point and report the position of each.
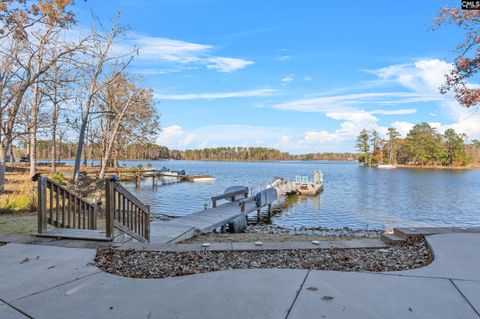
(178, 229)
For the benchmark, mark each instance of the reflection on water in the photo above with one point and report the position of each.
(354, 196)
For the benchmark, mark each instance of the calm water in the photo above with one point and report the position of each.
(354, 196)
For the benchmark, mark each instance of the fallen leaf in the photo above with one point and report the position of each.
(327, 298)
(38, 257)
(26, 259)
(410, 309)
(312, 288)
(51, 267)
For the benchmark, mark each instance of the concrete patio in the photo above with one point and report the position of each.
(60, 282)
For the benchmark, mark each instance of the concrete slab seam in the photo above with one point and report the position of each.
(297, 294)
(16, 309)
(418, 276)
(465, 298)
(57, 286)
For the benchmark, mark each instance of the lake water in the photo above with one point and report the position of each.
(354, 196)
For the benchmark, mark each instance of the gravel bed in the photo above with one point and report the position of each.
(273, 233)
(142, 264)
(314, 231)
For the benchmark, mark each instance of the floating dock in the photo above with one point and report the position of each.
(301, 185)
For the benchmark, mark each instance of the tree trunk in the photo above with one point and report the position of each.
(54, 137)
(12, 155)
(3, 157)
(110, 143)
(81, 140)
(33, 150)
(85, 116)
(35, 111)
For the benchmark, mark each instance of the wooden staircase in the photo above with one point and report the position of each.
(64, 214)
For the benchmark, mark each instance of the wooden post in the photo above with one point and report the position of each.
(258, 216)
(214, 203)
(42, 205)
(137, 180)
(109, 207)
(153, 180)
(147, 224)
(269, 211)
(92, 218)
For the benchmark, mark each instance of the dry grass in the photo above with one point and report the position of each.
(18, 224)
(20, 192)
(18, 204)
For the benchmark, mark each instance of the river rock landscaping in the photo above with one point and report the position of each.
(156, 264)
(314, 231)
(274, 233)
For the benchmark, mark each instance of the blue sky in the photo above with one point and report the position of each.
(301, 76)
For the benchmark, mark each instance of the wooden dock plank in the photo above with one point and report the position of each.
(202, 221)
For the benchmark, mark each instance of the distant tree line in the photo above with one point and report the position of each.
(151, 151)
(423, 146)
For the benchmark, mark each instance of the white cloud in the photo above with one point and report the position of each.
(283, 58)
(394, 112)
(215, 96)
(426, 76)
(221, 135)
(168, 51)
(402, 127)
(307, 78)
(356, 117)
(227, 64)
(421, 76)
(174, 136)
(347, 102)
(287, 78)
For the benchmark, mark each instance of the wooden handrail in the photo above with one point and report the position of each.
(130, 196)
(63, 208)
(125, 212)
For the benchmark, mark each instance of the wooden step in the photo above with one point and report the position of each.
(81, 234)
(392, 239)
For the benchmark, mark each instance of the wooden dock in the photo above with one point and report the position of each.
(137, 175)
(203, 221)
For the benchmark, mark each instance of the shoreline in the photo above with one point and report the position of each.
(44, 162)
(47, 161)
(439, 167)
